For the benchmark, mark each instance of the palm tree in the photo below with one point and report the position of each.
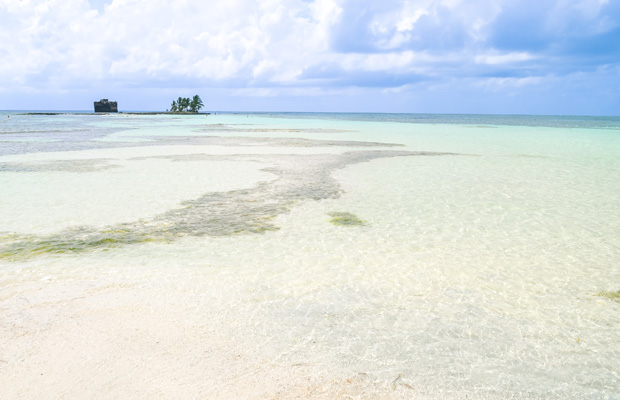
(196, 104)
(184, 104)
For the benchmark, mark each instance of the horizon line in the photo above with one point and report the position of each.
(313, 112)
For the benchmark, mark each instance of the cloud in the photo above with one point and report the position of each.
(327, 45)
(556, 26)
(496, 58)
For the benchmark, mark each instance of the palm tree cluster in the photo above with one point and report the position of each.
(184, 104)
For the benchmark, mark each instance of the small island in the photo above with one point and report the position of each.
(185, 105)
(182, 105)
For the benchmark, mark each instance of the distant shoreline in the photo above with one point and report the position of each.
(108, 113)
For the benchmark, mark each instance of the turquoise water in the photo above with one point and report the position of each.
(479, 268)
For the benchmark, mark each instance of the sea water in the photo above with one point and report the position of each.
(478, 256)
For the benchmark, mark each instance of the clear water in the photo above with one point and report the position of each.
(478, 272)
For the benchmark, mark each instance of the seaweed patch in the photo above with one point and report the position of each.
(77, 240)
(345, 219)
(615, 296)
(93, 165)
(246, 211)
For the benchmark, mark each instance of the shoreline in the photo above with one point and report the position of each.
(108, 113)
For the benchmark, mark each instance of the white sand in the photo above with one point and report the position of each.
(140, 336)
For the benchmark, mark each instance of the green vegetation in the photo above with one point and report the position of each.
(185, 104)
(345, 219)
(69, 243)
(610, 295)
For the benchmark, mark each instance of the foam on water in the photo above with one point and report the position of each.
(482, 261)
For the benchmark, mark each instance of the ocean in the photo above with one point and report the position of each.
(309, 255)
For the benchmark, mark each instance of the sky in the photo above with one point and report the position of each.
(557, 57)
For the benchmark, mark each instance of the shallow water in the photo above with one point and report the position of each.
(475, 270)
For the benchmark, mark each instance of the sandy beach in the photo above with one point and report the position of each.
(157, 335)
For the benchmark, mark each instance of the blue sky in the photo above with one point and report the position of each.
(442, 56)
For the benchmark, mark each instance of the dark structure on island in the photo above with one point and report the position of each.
(104, 105)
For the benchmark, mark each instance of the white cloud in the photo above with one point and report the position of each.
(251, 42)
(499, 84)
(495, 58)
(279, 46)
(407, 21)
(228, 39)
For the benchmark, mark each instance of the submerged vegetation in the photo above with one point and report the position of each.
(68, 242)
(345, 219)
(610, 295)
(236, 212)
(185, 105)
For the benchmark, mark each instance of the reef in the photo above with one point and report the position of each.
(238, 212)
